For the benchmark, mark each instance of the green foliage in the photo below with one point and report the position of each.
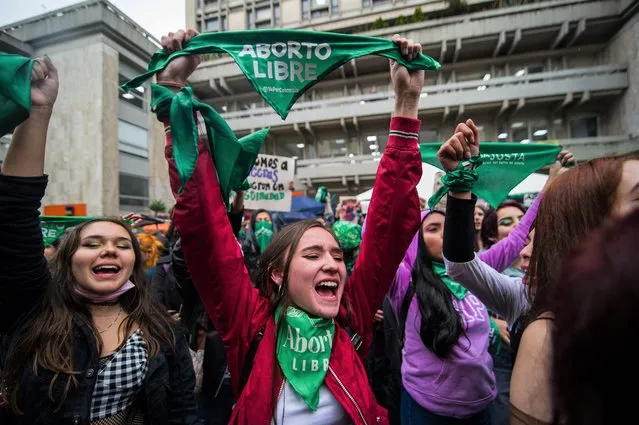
(418, 15)
(401, 20)
(379, 24)
(157, 206)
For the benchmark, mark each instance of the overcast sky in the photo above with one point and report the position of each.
(156, 16)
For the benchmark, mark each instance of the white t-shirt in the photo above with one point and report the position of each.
(291, 409)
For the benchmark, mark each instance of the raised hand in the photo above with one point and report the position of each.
(180, 68)
(463, 145)
(407, 85)
(44, 83)
(565, 159)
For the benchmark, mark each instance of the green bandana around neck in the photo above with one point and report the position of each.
(304, 346)
(504, 165)
(15, 91)
(234, 158)
(457, 290)
(263, 234)
(282, 64)
(53, 227)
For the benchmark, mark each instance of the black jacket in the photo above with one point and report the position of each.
(167, 395)
(251, 249)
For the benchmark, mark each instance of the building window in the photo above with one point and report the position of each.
(209, 2)
(583, 127)
(263, 17)
(136, 97)
(134, 190)
(317, 8)
(133, 139)
(215, 24)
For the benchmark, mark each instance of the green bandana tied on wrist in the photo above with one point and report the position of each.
(504, 165)
(462, 179)
(233, 158)
(282, 64)
(15, 91)
(263, 234)
(303, 351)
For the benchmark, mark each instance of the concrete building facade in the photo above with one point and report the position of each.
(105, 148)
(564, 70)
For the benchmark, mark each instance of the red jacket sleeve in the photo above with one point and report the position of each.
(391, 224)
(214, 257)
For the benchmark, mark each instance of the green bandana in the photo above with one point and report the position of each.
(504, 165)
(53, 227)
(303, 351)
(15, 91)
(263, 234)
(494, 337)
(349, 236)
(456, 181)
(458, 291)
(282, 64)
(321, 194)
(233, 158)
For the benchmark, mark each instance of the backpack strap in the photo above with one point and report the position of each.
(403, 312)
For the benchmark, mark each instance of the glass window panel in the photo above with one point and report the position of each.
(519, 131)
(134, 190)
(334, 5)
(559, 129)
(263, 13)
(133, 139)
(135, 97)
(584, 127)
(276, 14)
(211, 24)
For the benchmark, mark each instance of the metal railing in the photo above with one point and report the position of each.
(474, 85)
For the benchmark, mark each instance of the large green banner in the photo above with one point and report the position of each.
(504, 165)
(282, 64)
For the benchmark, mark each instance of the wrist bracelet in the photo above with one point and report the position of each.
(171, 84)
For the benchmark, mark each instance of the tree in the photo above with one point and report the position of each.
(379, 24)
(418, 15)
(401, 20)
(157, 206)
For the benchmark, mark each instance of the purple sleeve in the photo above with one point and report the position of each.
(402, 278)
(501, 255)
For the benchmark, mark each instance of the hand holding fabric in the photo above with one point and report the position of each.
(407, 85)
(180, 68)
(463, 145)
(565, 160)
(44, 83)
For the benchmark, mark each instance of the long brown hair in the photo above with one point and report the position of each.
(46, 342)
(595, 305)
(577, 202)
(278, 256)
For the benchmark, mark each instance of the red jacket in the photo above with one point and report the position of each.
(214, 259)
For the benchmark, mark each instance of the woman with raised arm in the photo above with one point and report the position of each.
(575, 203)
(289, 340)
(83, 343)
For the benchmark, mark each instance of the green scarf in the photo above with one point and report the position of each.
(233, 158)
(457, 290)
(504, 165)
(53, 227)
(304, 347)
(282, 64)
(15, 91)
(263, 234)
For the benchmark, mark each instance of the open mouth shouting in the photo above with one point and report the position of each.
(106, 271)
(327, 290)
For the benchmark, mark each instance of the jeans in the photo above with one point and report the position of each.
(414, 414)
(503, 368)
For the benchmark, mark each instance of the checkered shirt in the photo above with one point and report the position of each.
(121, 379)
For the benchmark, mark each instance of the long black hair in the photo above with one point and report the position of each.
(441, 325)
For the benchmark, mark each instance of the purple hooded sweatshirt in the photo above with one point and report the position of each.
(463, 384)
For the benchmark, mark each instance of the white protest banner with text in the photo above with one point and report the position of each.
(269, 180)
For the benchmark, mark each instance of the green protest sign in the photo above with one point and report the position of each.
(504, 165)
(53, 227)
(15, 91)
(282, 64)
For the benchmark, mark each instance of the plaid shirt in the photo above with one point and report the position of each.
(121, 379)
